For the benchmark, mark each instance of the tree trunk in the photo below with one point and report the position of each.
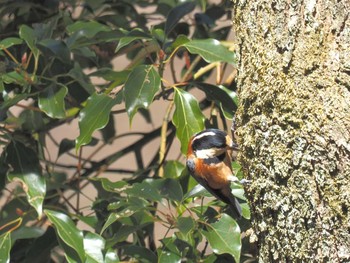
(294, 126)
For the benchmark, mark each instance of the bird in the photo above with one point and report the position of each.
(208, 160)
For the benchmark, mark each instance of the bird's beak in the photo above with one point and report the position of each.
(231, 144)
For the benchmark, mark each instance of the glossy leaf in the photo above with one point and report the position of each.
(114, 217)
(170, 189)
(188, 118)
(141, 253)
(94, 245)
(245, 211)
(56, 47)
(14, 77)
(29, 36)
(181, 40)
(77, 74)
(176, 14)
(5, 247)
(136, 34)
(197, 190)
(27, 170)
(51, 101)
(224, 236)
(108, 132)
(210, 50)
(31, 121)
(111, 256)
(185, 224)
(169, 253)
(67, 231)
(145, 190)
(9, 42)
(26, 232)
(237, 190)
(86, 29)
(173, 169)
(140, 88)
(118, 77)
(80, 31)
(94, 116)
(110, 186)
(223, 97)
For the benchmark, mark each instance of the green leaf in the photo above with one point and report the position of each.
(94, 245)
(14, 77)
(56, 47)
(145, 190)
(108, 132)
(197, 190)
(185, 224)
(237, 190)
(210, 50)
(26, 232)
(223, 97)
(188, 118)
(173, 169)
(29, 36)
(86, 29)
(114, 217)
(140, 88)
(77, 74)
(51, 101)
(110, 186)
(5, 247)
(67, 231)
(181, 40)
(26, 169)
(142, 253)
(245, 211)
(31, 121)
(80, 31)
(12, 100)
(135, 34)
(119, 77)
(170, 189)
(169, 253)
(111, 256)
(94, 116)
(224, 236)
(176, 14)
(9, 42)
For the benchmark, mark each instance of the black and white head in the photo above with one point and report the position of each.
(211, 143)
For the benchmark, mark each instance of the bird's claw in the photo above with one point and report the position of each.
(243, 181)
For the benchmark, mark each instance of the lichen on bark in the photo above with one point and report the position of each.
(294, 126)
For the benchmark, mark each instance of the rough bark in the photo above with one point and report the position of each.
(294, 126)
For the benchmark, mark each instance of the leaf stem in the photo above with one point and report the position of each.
(17, 223)
(10, 55)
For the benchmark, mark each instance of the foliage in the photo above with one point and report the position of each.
(50, 54)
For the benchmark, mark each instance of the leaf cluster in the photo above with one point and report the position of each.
(51, 53)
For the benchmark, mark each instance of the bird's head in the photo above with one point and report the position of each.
(210, 143)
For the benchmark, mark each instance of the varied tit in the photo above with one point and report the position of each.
(209, 162)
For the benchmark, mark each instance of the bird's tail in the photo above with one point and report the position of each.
(235, 207)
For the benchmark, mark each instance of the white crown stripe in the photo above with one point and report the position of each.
(203, 135)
